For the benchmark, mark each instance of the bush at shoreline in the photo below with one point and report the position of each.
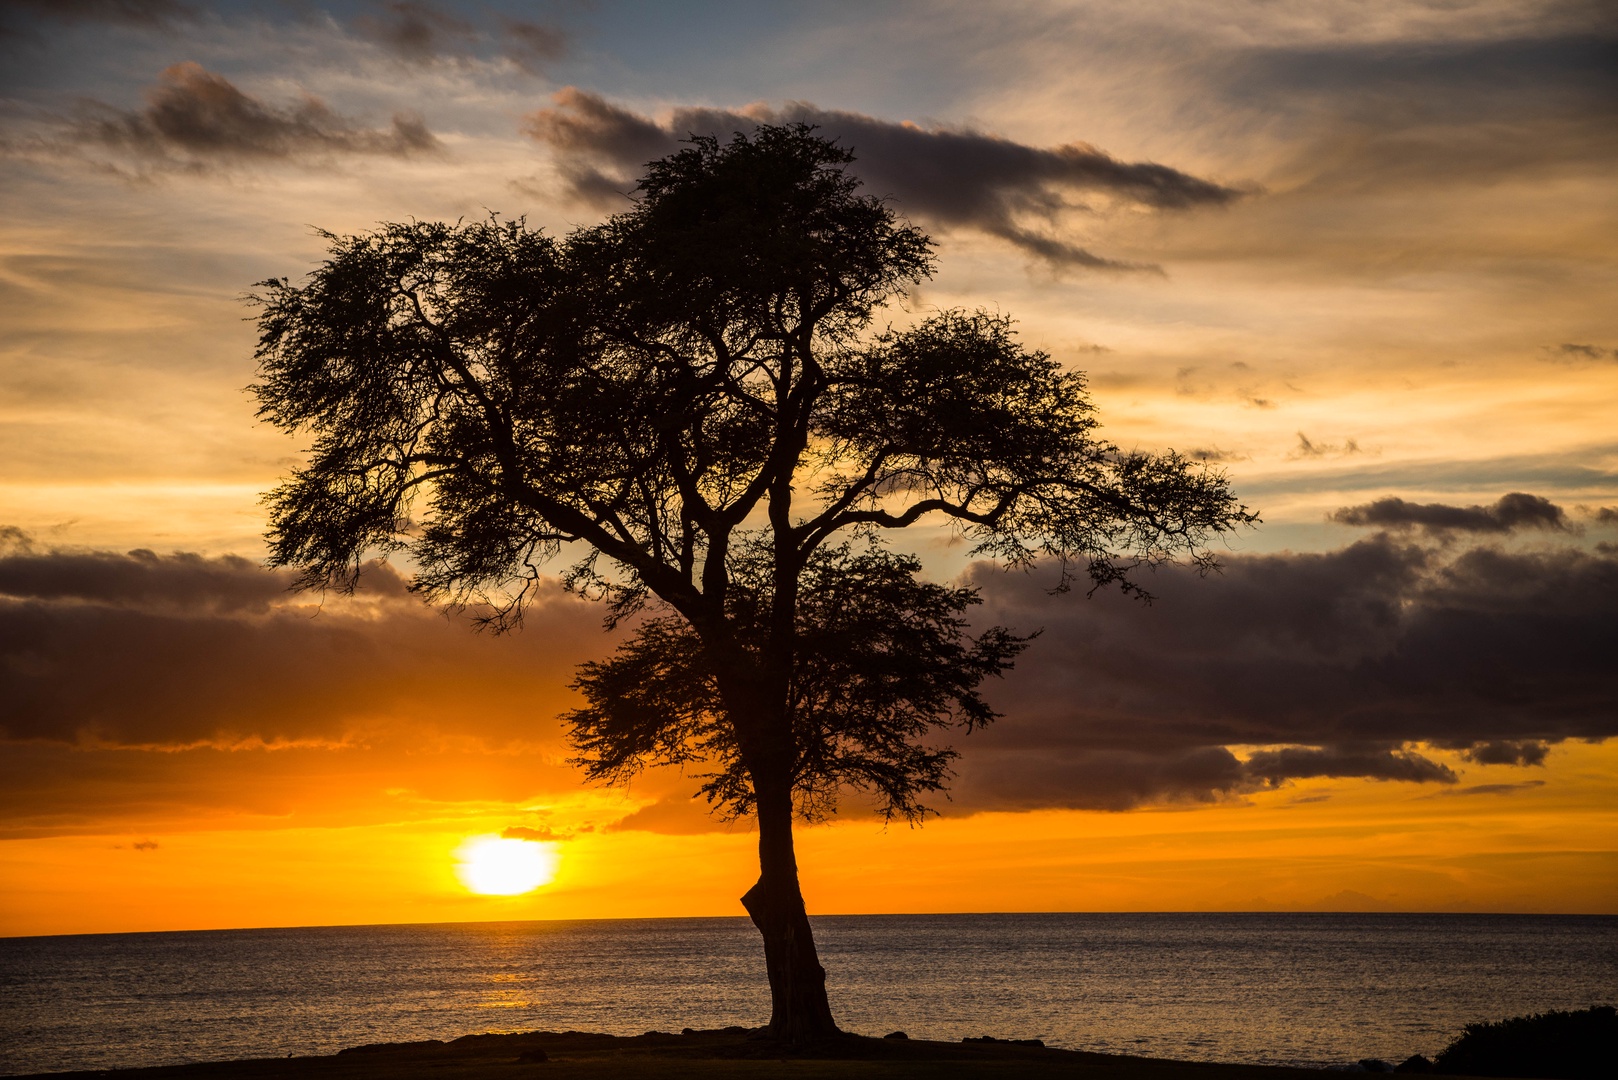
(1580, 1045)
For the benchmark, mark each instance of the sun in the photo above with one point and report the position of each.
(496, 866)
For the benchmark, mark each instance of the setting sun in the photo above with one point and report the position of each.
(494, 866)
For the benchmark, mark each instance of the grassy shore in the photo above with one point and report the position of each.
(719, 1054)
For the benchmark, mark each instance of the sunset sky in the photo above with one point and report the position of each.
(1398, 337)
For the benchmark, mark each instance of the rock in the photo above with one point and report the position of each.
(1375, 1065)
(1010, 1042)
(896, 1035)
(1415, 1063)
(383, 1048)
(688, 1031)
(530, 1057)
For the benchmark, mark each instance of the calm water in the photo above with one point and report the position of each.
(1285, 989)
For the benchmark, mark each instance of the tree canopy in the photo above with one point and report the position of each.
(691, 412)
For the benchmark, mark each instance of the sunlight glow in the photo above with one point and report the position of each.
(495, 866)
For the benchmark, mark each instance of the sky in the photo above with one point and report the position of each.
(1359, 255)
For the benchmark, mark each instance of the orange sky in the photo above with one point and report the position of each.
(1371, 709)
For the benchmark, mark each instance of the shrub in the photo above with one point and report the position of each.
(1556, 1045)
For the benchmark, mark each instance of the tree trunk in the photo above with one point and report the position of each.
(799, 1011)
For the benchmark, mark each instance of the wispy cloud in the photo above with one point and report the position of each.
(1570, 351)
(1491, 789)
(534, 46)
(416, 31)
(1312, 448)
(196, 119)
(423, 34)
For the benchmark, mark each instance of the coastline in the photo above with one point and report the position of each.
(729, 1053)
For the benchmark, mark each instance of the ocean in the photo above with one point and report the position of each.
(1294, 989)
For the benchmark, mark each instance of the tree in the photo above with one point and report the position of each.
(689, 408)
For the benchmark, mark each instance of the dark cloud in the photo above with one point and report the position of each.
(416, 31)
(423, 34)
(98, 648)
(1363, 662)
(1574, 352)
(1513, 511)
(1068, 774)
(1507, 752)
(1214, 455)
(1346, 663)
(195, 118)
(534, 45)
(1310, 448)
(1306, 762)
(144, 845)
(950, 177)
(143, 579)
(1607, 515)
(132, 12)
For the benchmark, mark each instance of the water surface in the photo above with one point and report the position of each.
(1296, 989)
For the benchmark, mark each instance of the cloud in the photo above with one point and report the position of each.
(675, 814)
(1306, 762)
(1493, 789)
(1607, 515)
(196, 119)
(1367, 662)
(1506, 752)
(1513, 511)
(1371, 661)
(532, 45)
(132, 12)
(143, 579)
(144, 845)
(1309, 448)
(424, 34)
(1568, 351)
(1214, 455)
(170, 651)
(948, 177)
(415, 31)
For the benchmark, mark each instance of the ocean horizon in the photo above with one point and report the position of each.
(1311, 989)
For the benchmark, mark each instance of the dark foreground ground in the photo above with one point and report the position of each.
(720, 1054)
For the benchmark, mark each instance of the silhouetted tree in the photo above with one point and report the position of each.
(688, 407)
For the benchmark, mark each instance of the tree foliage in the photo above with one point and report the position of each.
(882, 659)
